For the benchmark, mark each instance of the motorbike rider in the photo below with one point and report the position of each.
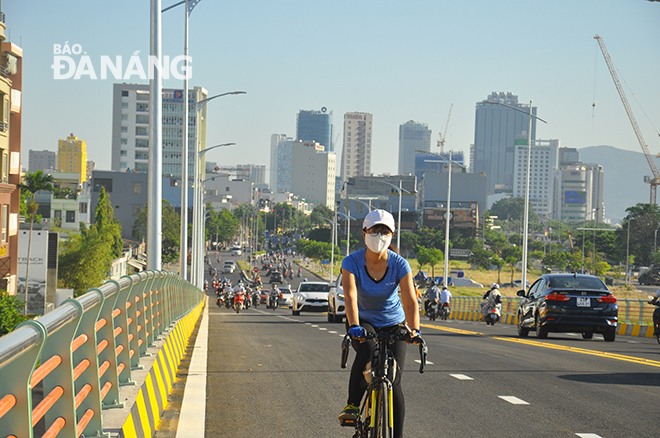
(656, 313)
(432, 294)
(275, 294)
(491, 298)
(445, 296)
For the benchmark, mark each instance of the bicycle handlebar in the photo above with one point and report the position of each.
(423, 349)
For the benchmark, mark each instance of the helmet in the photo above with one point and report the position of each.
(444, 287)
(494, 286)
(432, 283)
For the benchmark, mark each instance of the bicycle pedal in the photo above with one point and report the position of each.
(348, 422)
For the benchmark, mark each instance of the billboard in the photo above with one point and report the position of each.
(37, 274)
(434, 217)
(573, 197)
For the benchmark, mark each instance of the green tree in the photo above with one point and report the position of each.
(499, 262)
(323, 234)
(171, 229)
(10, 312)
(429, 256)
(107, 223)
(481, 257)
(33, 183)
(643, 220)
(319, 213)
(408, 242)
(85, 260)
(223, 224)
(512, 209)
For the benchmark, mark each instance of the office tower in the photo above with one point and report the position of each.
(315, 126)
(251, 172)
(432, 162)
(543, 168)
(46, 161)
(280, 163)
(72, 156)
(496, 129)
(356, 153)
(314, 176)
(413, 136)
(130, 129)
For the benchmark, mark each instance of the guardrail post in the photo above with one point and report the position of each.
(137, 295)
(156, 304)
(121, 339)
(131, 315)
(90, 306)
(19, 352)
(60, 336)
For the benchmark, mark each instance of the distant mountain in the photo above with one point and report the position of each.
(624, 178)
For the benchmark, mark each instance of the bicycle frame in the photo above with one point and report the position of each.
(377, 401)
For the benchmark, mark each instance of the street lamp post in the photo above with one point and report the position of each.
(197, 272)
(348, 217)
(527, 173)
(333, 223)
(628, 254)
(398, 189)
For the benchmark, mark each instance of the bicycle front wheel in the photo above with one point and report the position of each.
(382, 415)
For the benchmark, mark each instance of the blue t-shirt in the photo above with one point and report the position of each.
(378, 301)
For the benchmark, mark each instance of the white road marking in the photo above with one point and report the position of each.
(588, 435)
(632, 342)
(428, 362)
(461, 377)
(315, 326)
(322, 328)
(513, 400)
(333, 332)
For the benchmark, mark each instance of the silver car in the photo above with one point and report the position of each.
(287, 296)
(336, 304)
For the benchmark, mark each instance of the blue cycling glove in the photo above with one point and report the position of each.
(356, 331)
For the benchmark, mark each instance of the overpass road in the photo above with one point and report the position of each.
(272, 374)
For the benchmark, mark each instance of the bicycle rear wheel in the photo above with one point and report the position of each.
(382, 418)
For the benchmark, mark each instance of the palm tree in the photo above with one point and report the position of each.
(32, 183)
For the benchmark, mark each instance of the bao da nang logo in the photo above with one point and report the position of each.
(70, 62)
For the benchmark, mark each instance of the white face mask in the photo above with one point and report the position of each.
(377, 243)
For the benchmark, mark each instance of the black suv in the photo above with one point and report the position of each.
(568, 303)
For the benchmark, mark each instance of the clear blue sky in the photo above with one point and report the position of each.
(399, 60)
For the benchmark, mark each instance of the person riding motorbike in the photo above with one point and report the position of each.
(432, 294)
(491, 298)
(445, 301)
(275, 294)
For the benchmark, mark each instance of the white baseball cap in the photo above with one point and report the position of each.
(376, 217)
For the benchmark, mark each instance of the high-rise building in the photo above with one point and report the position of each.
(280, 163)
(11, 87)
(432, 162)
(251, 172)
(46, 161)
(314, 178)
(72, 156)
(543, 168)
(496, 129)
(315, 126)
(356, 153)
(579, 189)
(130, 129)
(413, 136)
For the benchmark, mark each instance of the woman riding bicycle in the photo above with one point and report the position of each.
(370, 279)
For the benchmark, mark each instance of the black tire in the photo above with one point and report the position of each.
(331, 317)
(610, 334)
(541, 332)
(587, 335)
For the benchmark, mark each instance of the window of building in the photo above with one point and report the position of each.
(124, 141)
(57, 214)
(136, 210)
(70, 216)
(141, 143)
(82, 208)
(124, 93)
(137, 188)
(124, 129)
(5, 222)
(142, 107)
(123, 153)
(124, 117)
(142, 119)
(124, 105)
(141, 155)
(141, 130)
(102, 182)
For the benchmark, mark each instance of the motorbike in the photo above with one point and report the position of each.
(272, 302)
(656, 321)
(255, 299)
(433, 309)
(228, 300)
(238, 301)
(291, 274)
(446, 310)
(493, 313)
(247, 301)
(299, 272)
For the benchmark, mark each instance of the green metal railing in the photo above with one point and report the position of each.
(83, 351)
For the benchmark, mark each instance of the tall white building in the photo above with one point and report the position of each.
(356, 153)
(580, 193)
(315, 171)
(280, 163)
(543, 168)
(413, 136)
(130, 128)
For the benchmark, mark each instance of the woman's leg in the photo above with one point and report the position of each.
(399, 350)
(356, 384)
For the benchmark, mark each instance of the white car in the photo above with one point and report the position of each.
(287, 296)
(336, 304)
(311, 296)
(236, 250)
(229, 267)
(466, 282)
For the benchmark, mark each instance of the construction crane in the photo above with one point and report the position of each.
(443, 137)
(653, 180)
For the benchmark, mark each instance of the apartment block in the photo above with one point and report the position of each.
(543, 168)
(72, 156)
(46, 161)
(314, 175)
(356, 152)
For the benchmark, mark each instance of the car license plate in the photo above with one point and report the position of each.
(583, 302)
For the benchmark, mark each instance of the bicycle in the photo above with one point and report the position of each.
(376, 413)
